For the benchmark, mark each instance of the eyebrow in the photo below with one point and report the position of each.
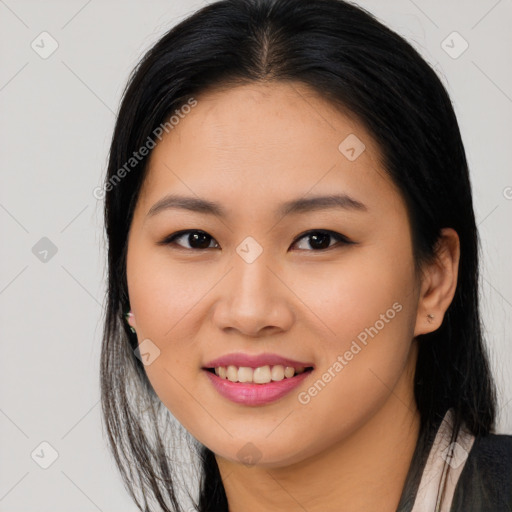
(295, 206)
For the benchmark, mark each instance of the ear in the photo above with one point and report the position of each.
(438, 283)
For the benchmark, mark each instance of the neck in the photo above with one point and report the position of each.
(364, 471)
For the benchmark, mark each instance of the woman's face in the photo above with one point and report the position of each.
(250, 280)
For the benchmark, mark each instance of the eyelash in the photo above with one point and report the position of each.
(170, 240)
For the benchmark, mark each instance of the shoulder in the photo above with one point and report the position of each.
(485, 484)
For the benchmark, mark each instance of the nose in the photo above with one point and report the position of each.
(254, 300)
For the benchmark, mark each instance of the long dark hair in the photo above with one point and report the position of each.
(352, 60)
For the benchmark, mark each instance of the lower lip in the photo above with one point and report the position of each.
(255, 394)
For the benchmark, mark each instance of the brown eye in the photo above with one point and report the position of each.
(320, 240)
(196, 239)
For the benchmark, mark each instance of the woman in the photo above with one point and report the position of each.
(293, 273)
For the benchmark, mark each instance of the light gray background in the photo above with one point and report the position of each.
(57, 116)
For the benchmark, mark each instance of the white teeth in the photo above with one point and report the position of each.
(245, 374)
(277, 372)
(289, 372)
(260, 375)
(232, 373)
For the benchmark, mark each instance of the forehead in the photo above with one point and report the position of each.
(262, 143)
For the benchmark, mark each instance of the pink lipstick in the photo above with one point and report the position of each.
(264, 378)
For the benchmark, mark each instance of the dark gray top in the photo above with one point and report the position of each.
(485, 484)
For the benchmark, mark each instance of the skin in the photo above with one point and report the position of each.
(250, 148)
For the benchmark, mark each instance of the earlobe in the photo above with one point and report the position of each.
(439, 283)
(131, 320)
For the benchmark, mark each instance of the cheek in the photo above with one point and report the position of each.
(367, 311)
(361, 358)
(168, 300)
(163, 293)
(358, 291)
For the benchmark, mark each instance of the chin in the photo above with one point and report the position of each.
(262, 452)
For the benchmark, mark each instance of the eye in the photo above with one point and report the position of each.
(199, 240)
(196, 239)
(319, 239)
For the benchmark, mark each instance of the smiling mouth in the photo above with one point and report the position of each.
(261, 375)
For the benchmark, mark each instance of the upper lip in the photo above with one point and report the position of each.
(254, 361)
